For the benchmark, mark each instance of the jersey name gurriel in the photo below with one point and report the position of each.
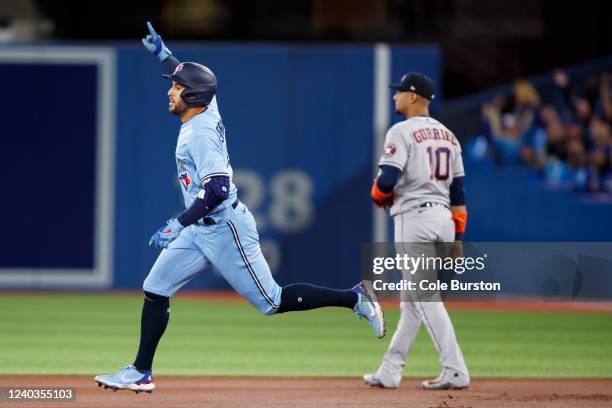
(423, 134)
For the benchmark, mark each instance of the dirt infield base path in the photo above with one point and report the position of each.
(320, 392)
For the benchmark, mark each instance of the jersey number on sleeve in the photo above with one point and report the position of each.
(439, 163)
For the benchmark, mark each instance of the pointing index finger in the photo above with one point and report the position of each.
(151, 29)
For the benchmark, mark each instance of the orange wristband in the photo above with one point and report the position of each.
(460, 219)
(378, 195)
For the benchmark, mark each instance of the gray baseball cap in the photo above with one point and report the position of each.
(418, 83)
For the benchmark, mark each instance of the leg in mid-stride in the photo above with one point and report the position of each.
(233, 248)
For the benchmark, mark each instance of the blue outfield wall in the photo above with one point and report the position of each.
(299, 122)
(512, 205)
(299, 125)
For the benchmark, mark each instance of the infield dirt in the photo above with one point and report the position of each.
(322, 392)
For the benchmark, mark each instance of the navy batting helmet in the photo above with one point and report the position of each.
(200, 83)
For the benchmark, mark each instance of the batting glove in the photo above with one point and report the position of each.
(155, 45)
(166, 234)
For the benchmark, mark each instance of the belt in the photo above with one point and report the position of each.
(211, 221)
(429, 204)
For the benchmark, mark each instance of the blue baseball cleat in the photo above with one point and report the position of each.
(368, 308)
(128, 378)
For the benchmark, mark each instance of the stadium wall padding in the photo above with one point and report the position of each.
(299, 122)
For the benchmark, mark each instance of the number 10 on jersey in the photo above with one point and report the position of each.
(439, 163)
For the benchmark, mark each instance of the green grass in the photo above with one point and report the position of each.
(93, 333)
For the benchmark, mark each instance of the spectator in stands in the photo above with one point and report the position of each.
(507, 123)
(552, 162)
(555, 141)
(605, 91)
(569, 142)
(600, 157)
(548, 113)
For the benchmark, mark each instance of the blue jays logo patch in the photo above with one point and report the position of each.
(185, 180)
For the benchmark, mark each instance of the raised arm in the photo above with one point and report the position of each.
(155, 45)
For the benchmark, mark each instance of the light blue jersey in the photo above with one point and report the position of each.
(231, 243)
(201, 152)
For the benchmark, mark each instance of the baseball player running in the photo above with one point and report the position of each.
(421, 180)
(215, 229)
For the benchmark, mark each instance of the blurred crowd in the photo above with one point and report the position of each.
(567, 139)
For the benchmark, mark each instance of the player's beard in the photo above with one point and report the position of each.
(179, 108)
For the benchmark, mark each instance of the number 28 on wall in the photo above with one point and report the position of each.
(439, 163)
(290, 207)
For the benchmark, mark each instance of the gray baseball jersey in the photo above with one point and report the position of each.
(429, 157)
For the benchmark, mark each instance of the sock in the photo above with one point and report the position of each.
(304, 296)
(153, 322)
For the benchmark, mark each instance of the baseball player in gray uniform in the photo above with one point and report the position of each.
(421, 181)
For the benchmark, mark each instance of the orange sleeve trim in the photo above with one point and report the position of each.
(460, 219)
(378, 195)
